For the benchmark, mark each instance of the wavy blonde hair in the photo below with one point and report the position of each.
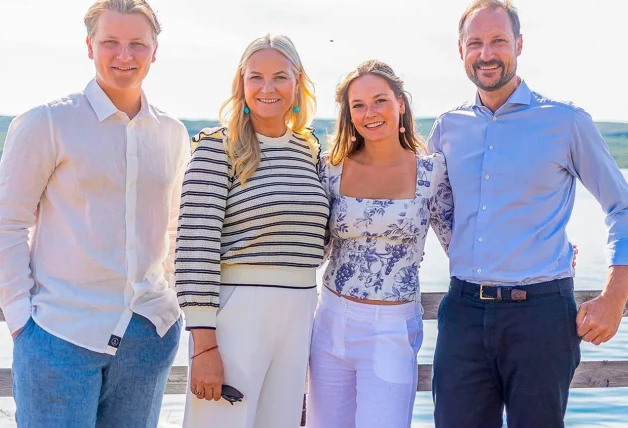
(242, 146)
(341, 145)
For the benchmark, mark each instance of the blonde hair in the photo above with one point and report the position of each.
(121, 6)
(242, 146)
(491, 4)
(341, 145)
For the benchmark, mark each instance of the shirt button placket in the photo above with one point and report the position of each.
(487, 177)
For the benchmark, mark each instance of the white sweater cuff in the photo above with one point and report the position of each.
(200, 317)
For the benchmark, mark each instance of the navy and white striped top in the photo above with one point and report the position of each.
(268, 232)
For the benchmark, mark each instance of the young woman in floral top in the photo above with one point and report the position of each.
(384, 193)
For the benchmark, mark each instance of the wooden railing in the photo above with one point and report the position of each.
(590, 374)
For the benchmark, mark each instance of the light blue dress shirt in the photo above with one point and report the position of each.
(513, 176)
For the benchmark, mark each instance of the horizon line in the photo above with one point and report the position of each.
(622, 121)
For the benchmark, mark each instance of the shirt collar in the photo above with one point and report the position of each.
(522, 95)
(103, 107)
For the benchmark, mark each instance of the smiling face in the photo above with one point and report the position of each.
(375, 109)
(123, 48)
(489, 49)
(270, 85)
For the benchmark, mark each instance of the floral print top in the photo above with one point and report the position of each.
(374, 246)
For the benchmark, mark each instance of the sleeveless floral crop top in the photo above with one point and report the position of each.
(374, 246)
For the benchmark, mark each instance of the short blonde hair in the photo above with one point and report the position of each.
(491, 4)
(120, 6)
(242, 146)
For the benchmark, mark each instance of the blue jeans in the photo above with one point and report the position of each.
(60, 385)
(518, 355)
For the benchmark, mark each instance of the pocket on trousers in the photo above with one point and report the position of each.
(23, 330)
(394, 352)
(571, 314)
(440, 307)
(551, 322)
(227, 299)
(415, 333)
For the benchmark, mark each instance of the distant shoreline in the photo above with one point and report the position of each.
(615, 133)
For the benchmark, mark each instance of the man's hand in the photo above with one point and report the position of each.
(598, 319)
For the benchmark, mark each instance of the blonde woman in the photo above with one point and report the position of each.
(384, 192)
(251, 233)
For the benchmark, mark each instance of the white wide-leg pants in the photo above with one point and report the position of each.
(363, 367)
(264, 338)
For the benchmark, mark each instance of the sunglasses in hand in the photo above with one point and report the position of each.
(231, 394)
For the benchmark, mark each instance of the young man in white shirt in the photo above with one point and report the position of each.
(96, 177)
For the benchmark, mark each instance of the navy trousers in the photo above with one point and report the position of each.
(517, 355)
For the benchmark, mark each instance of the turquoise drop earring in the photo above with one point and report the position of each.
(246, 110)
(296, 109)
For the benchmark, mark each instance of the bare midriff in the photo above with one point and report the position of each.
(369, 302)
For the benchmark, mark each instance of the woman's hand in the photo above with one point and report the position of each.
(206, 369)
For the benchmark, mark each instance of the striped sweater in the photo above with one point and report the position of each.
(268, 232)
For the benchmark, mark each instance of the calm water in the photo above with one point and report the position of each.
(587, 407)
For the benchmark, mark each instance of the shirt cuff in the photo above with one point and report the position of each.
(17, 313)
(200, 317)
(617, 253)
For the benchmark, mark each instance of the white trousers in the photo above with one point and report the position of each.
(363, 367)
(264, 339)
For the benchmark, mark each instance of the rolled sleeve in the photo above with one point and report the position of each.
(27, 164)
(591, 161)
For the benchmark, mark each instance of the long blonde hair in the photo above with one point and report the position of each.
(242, 146)
(341, 145)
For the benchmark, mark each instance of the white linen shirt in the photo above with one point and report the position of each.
(98, 195)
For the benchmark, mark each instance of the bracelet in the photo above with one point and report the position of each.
(202, 352)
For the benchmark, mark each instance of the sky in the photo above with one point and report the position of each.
(573, 50)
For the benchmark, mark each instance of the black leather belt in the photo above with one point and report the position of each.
(490, 292)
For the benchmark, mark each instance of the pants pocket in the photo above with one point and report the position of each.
(440, 308)
(395, 346)
(415, 332)
(23, 330)
(571, 314)
(226, 298)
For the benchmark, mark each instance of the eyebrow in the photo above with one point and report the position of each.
(374, 96)
(279, 72)
(498, 36)
(116, 38)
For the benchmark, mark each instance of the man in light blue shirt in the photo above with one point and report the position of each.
(509, 328)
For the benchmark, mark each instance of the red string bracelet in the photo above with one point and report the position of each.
(202, 352)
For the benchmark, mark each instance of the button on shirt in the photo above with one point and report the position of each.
(98, 195)
(513, 176)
